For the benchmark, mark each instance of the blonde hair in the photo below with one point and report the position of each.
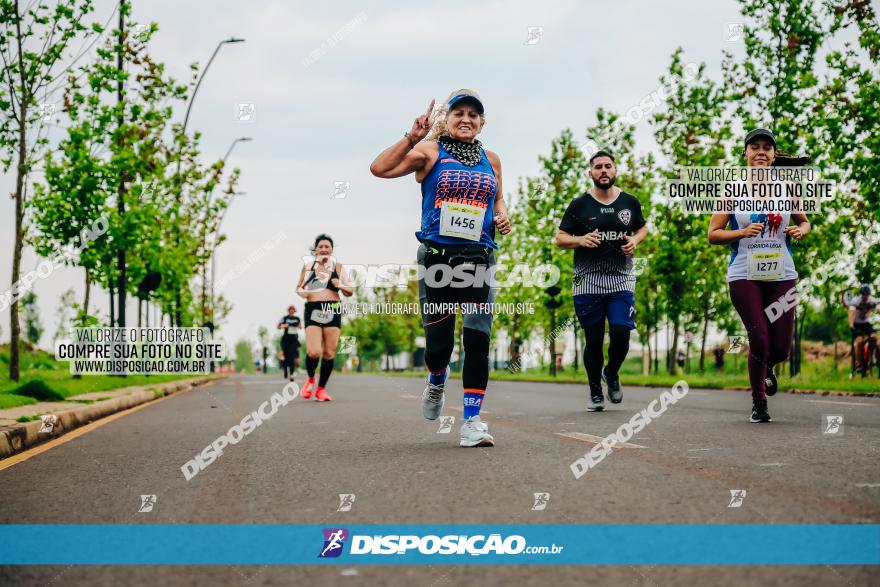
(439, 129)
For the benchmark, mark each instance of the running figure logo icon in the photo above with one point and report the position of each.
(735, 31)
(141, 33)
(334, 540)
(147, 503)
(737, 496)
(246, 112)
(48, 423)
(346, 500)
(538, 190)
(534, 34)
(346, 345)
(446, 423)
(832, 424)
(736, 343)
(46, 111)
(639, 265)
(541, 501)
(340, 189)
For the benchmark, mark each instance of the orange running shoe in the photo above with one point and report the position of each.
(306, 392)
(322, 396)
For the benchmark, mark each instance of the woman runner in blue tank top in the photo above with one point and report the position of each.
(462, 206)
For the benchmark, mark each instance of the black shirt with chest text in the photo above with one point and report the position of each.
(290, 321)
(604, 269)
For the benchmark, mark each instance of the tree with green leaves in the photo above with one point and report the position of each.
(244, 356)
(116, 162)
(33, 50)
(535, 213)
(693, 129)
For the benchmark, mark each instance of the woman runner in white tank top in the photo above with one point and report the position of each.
(761, 275)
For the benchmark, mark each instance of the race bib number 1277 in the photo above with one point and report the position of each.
(766, 266)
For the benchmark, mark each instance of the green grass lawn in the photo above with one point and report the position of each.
(815, 375)
(44, 378)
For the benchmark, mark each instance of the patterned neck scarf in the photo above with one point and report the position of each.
(468, 153)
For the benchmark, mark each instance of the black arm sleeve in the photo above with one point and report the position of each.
(638, 217)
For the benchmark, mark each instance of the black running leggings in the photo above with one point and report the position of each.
(440, 327)
(290, 348)
(593, 357)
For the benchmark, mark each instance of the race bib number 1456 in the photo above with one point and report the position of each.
(461, 220)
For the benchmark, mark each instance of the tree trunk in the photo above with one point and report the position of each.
(14, 324)
(673, 352)
(553, 342)
(204, 313)
(122, 286)
(86, 296)
(112, 308)
(513, 356)
(705, 334)
(20, 179)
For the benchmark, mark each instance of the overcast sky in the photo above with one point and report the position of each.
(324, 121)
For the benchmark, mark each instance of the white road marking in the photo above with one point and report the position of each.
(695, 449)
(772, 465)
(825, 401)
(409, 396)
(596, 439)
(868, 485)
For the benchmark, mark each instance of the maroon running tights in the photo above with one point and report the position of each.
(769, 342)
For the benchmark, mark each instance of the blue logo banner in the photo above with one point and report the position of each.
(454, 544)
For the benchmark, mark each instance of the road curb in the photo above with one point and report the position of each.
(22, 436)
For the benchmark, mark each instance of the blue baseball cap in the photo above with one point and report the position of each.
(466, 96)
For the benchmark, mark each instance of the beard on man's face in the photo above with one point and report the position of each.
(604, 182)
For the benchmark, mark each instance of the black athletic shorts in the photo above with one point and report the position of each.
(862, 329)
(324, 314)
(477, 317)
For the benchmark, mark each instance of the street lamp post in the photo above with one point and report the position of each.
(192, 98)
(202, 76)
(214, 250)
(214, 239)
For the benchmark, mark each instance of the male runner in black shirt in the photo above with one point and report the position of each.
(290, 323)
(603, 226)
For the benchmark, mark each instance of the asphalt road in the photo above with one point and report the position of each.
(371, 441)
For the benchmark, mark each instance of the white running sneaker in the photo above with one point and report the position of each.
(433, 399)
(475, 432)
